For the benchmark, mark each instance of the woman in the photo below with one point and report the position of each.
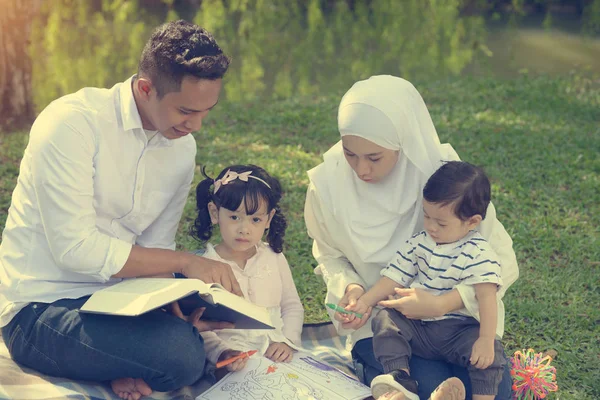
(364, 201)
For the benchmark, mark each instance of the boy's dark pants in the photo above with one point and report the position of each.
(397, 337)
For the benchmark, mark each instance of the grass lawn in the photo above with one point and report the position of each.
(537, 138)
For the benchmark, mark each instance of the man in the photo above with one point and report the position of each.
(101, 189)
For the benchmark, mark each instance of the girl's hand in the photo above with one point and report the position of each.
(482, 355)
(237, 364)
(194, 318)
(414, 303)
(349, 302)
(279, 352)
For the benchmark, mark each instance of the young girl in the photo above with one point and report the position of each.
(243, 201)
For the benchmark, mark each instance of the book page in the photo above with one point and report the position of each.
(303, 378)
(135, 296)
(145, 286)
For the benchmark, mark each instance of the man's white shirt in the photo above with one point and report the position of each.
(90, 186)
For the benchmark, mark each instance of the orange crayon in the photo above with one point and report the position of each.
(235, 358)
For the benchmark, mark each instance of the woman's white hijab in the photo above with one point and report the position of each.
(379, 217)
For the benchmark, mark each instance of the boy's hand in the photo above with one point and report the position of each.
(414, 303)
(279, 352)
(482, 355)
(237, 364)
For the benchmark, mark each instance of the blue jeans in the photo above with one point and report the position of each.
(55, 339)
(428, 373)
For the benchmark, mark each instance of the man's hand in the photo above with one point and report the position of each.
(279, 352)
(482, 355)
(237, 364)
(348, 302)
(211, 271)
(194, 319)
(414, 303)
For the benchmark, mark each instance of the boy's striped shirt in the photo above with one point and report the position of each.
(423, 264)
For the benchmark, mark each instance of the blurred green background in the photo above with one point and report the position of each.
(282, 48)
(513, 85)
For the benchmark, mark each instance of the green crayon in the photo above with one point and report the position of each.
(339, 309)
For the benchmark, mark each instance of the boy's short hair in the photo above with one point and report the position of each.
(177, 49)
(462, 184)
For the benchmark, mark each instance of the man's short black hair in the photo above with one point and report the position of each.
(177, 49)
(461, 184)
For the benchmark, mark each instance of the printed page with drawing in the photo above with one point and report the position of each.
(305, 377)
(133, 297)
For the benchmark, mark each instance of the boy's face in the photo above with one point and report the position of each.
(241, 232)
(177, 114)
(443, 225)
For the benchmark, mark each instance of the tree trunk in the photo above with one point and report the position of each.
(16, 102)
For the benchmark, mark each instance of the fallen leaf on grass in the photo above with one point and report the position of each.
(551, 352)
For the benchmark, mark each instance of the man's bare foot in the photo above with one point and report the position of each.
(130, 389)
(450, 389)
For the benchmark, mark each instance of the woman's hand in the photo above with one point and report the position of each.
(237, 364)
(279, 352)
(415, 303)
(194, 318)
(349, 302)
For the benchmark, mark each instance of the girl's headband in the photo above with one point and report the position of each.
(232, 176)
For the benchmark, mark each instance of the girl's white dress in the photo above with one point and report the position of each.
(266, 281)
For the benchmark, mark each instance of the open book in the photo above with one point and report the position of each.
(305, 377)
(134, 297)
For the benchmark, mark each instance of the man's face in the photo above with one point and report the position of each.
(177, 114)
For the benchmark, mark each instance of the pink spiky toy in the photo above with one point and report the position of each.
(533, 376)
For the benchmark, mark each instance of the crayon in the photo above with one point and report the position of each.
(235, 358)
(339, 309)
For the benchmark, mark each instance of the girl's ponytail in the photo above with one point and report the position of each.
(277, 231)
(202, 228)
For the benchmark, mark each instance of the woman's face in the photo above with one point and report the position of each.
(371, 162)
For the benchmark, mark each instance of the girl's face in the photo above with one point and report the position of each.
(371, 162)
(241, 232)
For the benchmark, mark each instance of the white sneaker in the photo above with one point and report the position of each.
(395, 381)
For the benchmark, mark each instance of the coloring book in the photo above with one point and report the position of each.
(304, 378)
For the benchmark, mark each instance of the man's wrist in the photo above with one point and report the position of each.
(183, 262)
